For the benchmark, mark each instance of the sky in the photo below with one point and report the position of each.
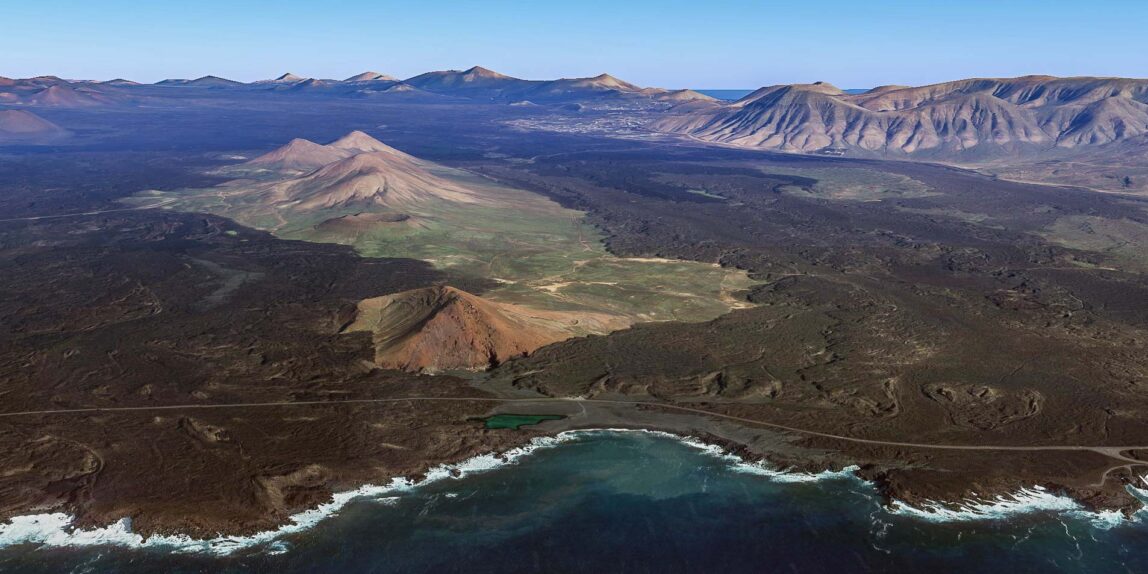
(668, 43)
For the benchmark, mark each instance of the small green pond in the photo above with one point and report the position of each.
(508, 421)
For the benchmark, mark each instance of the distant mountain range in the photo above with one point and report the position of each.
(476, 83)
(967, 121)
(480, 83)
(970, 119)
(50, 91)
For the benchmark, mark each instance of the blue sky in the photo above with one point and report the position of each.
(671, 43)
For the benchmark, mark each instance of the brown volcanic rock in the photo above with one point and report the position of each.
(443, 328)
(992, 116)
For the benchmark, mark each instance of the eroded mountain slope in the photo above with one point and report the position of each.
(968, 119)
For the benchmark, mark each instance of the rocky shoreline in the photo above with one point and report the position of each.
(192, 534)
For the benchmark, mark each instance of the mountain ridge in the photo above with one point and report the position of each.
(1030, 113)
(476, 83)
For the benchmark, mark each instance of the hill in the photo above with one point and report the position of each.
(443, 328)
(289, 78)
(50, 91)
(481, 83)
(359, 141)
(373, 178)
(203, 82)
(371, 77)
(355, 171)
(65, 96)
(21, 126)
(476, 82)
(299, 154)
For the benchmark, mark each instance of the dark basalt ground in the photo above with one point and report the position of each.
(903, 320)
(894, 320)
(147, 308)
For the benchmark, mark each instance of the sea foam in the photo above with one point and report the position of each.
(1023, 501)
(56, 529)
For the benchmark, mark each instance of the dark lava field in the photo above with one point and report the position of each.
(947, 332)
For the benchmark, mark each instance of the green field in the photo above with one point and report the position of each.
(543, 255)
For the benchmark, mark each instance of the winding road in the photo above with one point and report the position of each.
(162, 203)
(1115, 452)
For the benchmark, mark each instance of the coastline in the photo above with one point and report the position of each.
(56, 529)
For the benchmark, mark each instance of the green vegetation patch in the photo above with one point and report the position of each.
(544, 256)
(853, 184)
(514, 422)
(1124, 241)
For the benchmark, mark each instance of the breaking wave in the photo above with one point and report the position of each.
(56, 529)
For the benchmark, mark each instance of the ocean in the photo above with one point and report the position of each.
(611, 501)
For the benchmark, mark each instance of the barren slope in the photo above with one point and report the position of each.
(24, 126)
(443, 328)
(978, 118)
(380, 178)
(299, 154)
